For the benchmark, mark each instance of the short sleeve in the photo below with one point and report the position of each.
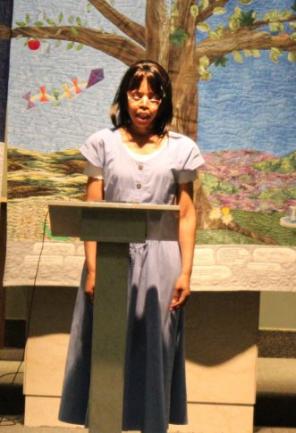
(190, 159)
(93, 171)
(94, 149)
(186, 176)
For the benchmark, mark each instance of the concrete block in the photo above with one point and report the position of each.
(73, 266)
(217, 418)
(204, 256)
(275, 254)
(54, 248)
(264, 268)
(80, 250)
(233, 256)
(221, 352)
(209, 274)
(43, 411)
(276, 376)
(46, 347)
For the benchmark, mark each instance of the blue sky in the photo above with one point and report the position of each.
(250, 105)
(244, 106)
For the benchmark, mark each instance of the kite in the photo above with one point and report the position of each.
(66, 92)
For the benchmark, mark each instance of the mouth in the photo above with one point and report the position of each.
(143, 116)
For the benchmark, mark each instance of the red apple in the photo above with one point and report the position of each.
(34, 44)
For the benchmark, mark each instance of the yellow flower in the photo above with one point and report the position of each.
(226, 219)
(215, 213)
(225, 210)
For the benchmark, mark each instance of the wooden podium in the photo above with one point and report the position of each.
(114, 226)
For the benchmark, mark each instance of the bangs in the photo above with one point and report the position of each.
(153, 79)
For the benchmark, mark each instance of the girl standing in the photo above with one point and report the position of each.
(140, 160)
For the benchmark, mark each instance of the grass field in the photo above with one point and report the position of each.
(265, 224)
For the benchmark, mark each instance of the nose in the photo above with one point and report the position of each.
(144, 101)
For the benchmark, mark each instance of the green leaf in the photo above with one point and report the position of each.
(248, 53)
(285, 15)
(293, 36)
(247, 19)
(221, 61)
(252, 53)
(50, 22)
(237, 12)
(178, 37)
(245, 2)
(292, 24)
(204, 61)
(74, 31)
(217, 34)
(276, 27)
(256, 53)
(89, 7)
(237, 57)
(234, 24)
(61, 17)
(78, 21)
(204, 4)
(58, 43)
(292, 56)
(273, 15)
(79, 47)
(70, 45)
(273, 27)
(219, 11)
(203, 64)
(274, 54)
(39, 23)
(194, 11)
(27, 19)
(71, 19)
(203, 27)
(206, 75)
(21, 23)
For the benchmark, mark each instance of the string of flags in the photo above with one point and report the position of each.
(66, 91)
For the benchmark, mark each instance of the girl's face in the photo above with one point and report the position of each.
(143, 106)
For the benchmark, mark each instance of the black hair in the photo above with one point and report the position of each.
(159, 82)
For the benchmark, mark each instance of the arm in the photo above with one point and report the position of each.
(187, 231)
(94, 192)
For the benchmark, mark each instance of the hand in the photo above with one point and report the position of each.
(89, 287)
(181, 293)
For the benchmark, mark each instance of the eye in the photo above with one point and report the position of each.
(136, 95)
(155, 98)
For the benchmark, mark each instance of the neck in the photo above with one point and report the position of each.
(142, 138)
(140, 134)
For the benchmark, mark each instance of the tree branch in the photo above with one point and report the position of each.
(132, 29)
(5, 32)
(157, 31)
(208, 12)
(243, 39)
(114, 45)
(261, 23)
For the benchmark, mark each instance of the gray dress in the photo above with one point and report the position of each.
(155, 390)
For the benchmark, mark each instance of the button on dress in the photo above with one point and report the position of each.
(154, 383)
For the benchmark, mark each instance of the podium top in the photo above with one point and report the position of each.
(114, 221)
(115, 205)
